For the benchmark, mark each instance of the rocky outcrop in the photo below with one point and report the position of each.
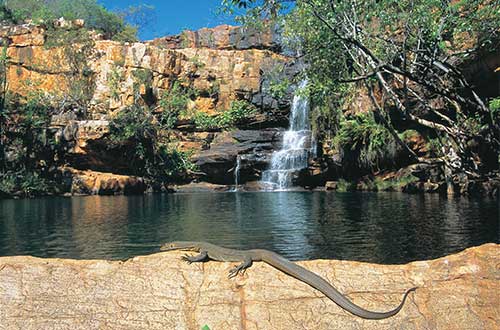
(223, 37)
(221, 73)
(253, 147)
(98, 183)
(162, 292)
(217, 65)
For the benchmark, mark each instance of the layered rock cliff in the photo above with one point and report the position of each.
(221, 64)
(160, 291)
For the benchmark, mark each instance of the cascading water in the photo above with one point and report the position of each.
(237, 172)
(297, 146)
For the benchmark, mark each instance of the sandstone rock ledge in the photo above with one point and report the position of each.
(159, 291)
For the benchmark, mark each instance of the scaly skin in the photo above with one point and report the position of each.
(209, 251)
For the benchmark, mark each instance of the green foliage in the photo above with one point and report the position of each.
(7, 183)
(30, 148)
(32, 184)
(408, 134)
(495, 109)
(349, 42)
(258, 14)
(495, 104)
(133, 123)
(141, 77)
(96, 17)
(206, 122)
(278, 81)
(394, 184)
(114, 80)
(197, 63)
(128, 34)
(23, 183)
(239, 111)
(434, 146)
(279, 89)
(364, 143)
(173, 103)
(137, 133)
(345, 186)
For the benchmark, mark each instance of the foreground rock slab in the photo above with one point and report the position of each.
(159, 291)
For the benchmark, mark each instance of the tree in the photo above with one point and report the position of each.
(407, 54)
(96, 17)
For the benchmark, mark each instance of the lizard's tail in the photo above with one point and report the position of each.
(326, 288)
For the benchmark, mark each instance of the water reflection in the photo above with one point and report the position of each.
(385, 228)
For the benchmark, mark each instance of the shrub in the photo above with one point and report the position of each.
(136, 132)
(173, 103)
(24, 183)
(365, 144)
(95, 15)
(279, 89)
(239, 111)
(394, 184)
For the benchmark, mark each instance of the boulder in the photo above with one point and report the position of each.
(160, 291)
(98, 183)
(331, 185)
(254, 147)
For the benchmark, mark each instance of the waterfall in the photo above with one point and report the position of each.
(237, 173)
(296, 148)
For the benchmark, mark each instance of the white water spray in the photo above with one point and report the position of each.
(237, 173)
(297, 146)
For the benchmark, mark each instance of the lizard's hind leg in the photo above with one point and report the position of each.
(240, 268)
(203, 256)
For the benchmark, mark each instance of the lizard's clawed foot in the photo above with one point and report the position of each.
(236, 270)
(187, 258)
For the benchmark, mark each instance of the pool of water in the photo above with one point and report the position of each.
(374, 227)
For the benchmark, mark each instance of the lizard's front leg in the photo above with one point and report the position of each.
(202, 256)
(240, 268)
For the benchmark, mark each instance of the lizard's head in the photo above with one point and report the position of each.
(178, 245)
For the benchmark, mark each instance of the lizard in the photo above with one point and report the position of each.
(209, 251)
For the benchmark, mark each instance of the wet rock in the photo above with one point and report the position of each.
(201, 187)
(424, 187)
(331, 185)
(161, 291)
(254, 147)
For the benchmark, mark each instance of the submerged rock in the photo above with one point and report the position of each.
(162, 292)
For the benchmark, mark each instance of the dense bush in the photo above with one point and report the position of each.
(95, 15)
(239, 111)
(137, 132)
(174, 102)
(365, 144)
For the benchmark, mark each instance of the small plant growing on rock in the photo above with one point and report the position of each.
(174, 102)
(114, 80)
(239, 111)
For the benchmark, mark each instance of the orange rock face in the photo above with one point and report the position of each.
(98, 183)
(160, 291)
(223, 72)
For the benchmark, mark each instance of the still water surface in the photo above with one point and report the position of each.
(374, 227)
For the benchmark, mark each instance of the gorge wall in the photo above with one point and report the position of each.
(219, 65)
(222, 64)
